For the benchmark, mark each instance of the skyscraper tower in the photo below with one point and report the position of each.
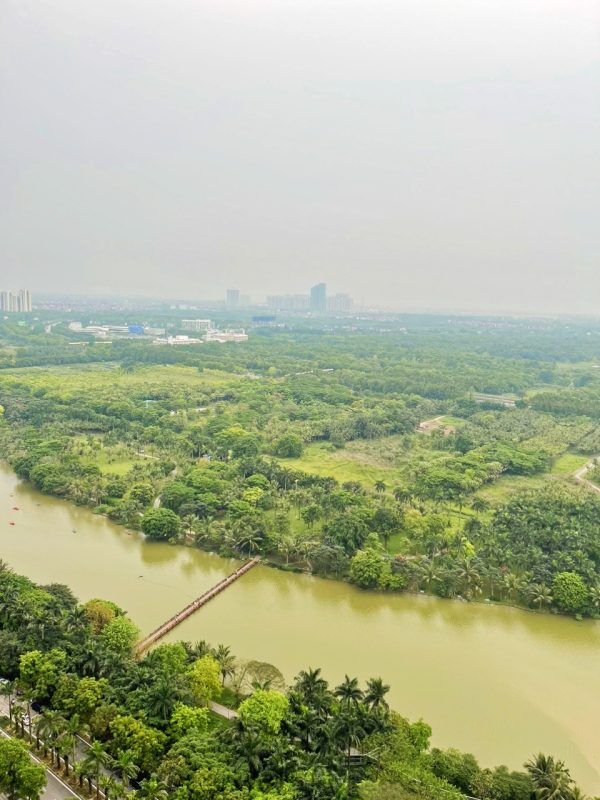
(318, 298)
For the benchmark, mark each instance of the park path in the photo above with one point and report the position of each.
(580, 474)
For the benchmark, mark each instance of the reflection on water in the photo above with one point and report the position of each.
(496, 681)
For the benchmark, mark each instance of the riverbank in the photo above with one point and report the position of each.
(491, 667)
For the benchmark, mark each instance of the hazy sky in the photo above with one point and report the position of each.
(416, 153)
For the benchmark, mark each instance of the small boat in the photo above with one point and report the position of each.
(16, 508)
(11, 523)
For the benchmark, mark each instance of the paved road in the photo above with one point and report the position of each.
(55, 788)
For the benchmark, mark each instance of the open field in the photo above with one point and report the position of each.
(358, 461)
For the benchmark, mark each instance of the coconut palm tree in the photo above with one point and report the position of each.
(551, 779)
(429, 573)
(225, 660)
(469, 577)
(540, 595)
(513, 584)
(380, 486)
(595, 597)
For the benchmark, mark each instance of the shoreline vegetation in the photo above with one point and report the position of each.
(427, 454)
(74, 693)
(298, 570)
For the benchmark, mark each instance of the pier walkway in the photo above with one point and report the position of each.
(194, 606)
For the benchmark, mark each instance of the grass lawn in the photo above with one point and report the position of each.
(358, 461)
(568, 463)
(501, 490)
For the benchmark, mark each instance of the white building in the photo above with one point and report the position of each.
(16, 301)
(196, 324)
(226, 336)
(177, 340)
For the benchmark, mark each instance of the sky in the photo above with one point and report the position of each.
(418, 154)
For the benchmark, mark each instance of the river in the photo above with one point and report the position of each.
(498, 682)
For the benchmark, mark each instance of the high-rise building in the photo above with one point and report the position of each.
(16, 301)
(289, 302)
(339, 304)
(318, 298)
(233, 298)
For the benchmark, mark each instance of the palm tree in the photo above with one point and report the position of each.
(45, 725)
(161, 700)
(350, 731)
(595, 597)
(480, 505)
(64, 746)
(249, 753)
(551, 779)
(310, 684)
(429, 573)
(401, 495)
(189, 523)
(109, 786)
(153, 789)
(540, 595)
(513, 584)
(225, 660)
(380, 486)
(125, 766)
(469, 577)
(19, 716)
(349, 692)
(375, 694)
(96, 759)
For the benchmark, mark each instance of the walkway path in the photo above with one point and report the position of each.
(580, 474)
(171, 623)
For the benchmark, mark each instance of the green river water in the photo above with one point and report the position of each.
(495, 681)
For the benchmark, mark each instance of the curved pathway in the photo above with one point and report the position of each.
(580, 474)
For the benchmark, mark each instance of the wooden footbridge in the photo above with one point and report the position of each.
(194, 606)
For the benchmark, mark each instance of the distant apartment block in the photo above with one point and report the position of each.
(339, 304)
(16, 301)
(318, 298)
(196, 324)
(289, 302)
(232, 298)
